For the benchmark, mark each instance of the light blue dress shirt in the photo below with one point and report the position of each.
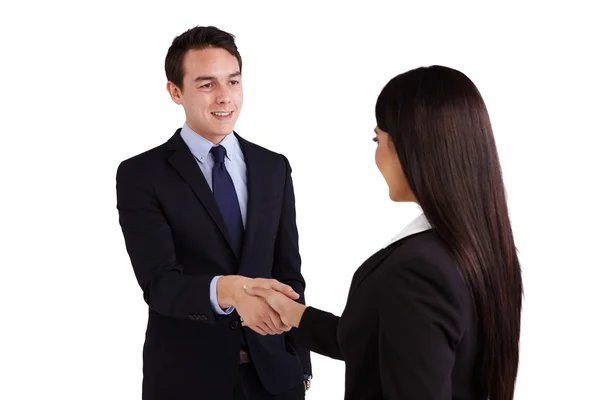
(236, 166)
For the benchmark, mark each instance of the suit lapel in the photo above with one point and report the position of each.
(254, 170)
(184, 163)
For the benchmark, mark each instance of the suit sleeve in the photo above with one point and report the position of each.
(149, 243)
(287, 260)
(317, 332)
(419, 326)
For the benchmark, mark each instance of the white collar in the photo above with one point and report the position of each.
(419, 224)
(200, 146)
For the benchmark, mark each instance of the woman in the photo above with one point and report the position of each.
(436, 313)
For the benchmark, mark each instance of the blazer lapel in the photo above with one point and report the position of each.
(183, 161)
(254, 170)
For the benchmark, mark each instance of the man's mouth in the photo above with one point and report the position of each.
(221, 113)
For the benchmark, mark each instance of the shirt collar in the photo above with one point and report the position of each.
(200, 146)
(418, 225)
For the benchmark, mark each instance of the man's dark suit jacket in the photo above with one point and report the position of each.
(177, 241)
(407, 330)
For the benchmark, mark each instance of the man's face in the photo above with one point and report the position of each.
(212, 93)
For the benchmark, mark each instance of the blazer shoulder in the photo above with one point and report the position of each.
(425, 246)
(265, 154)
(424, 256)
(143, 163)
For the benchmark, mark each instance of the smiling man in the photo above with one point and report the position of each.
(202, 215)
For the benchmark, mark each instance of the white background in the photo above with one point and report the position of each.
(83, 87)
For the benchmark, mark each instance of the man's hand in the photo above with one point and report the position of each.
(257, 315)
(290, 312)
(254, 311)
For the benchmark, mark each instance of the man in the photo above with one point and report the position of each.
(202, 214)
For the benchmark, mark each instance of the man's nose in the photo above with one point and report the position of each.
(223, 96)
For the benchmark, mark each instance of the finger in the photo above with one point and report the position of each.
(266, 326)
(258, 330)
(277, 323)
(275, 285)
(283, 288)
(256, 291)
(263, 328)
(273, 298)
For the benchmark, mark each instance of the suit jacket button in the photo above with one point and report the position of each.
(233, 324)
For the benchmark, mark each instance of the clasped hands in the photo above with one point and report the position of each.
(266, 306)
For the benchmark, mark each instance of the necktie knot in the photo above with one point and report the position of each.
(218, 153)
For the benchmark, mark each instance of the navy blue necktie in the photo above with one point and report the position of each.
(226, 197)
(225, 194)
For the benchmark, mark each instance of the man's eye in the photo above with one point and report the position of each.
(375, 139)
(235, 82)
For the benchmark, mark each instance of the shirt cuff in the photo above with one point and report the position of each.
(214, 300)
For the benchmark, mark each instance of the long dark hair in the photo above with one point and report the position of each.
(441, 130)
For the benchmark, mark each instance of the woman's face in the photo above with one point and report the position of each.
(386, 158)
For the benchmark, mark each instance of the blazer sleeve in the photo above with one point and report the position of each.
(419, 326)
(149, 243)
(287, 260)
(317, 331)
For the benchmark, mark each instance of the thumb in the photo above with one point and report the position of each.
(276, 301)
(270, 296)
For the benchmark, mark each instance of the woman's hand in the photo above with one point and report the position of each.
(255, 313)
(289, 310)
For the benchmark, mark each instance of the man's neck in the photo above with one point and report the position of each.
(216, 139)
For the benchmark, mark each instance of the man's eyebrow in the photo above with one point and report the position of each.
(212, 78)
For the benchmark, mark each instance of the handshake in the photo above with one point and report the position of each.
(266, 306)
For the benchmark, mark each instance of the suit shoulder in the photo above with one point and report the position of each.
(426, 256)
(268, 155)
(144, 161)
(425, 246)
(145, 157)
(260, 149)
(422, 278)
